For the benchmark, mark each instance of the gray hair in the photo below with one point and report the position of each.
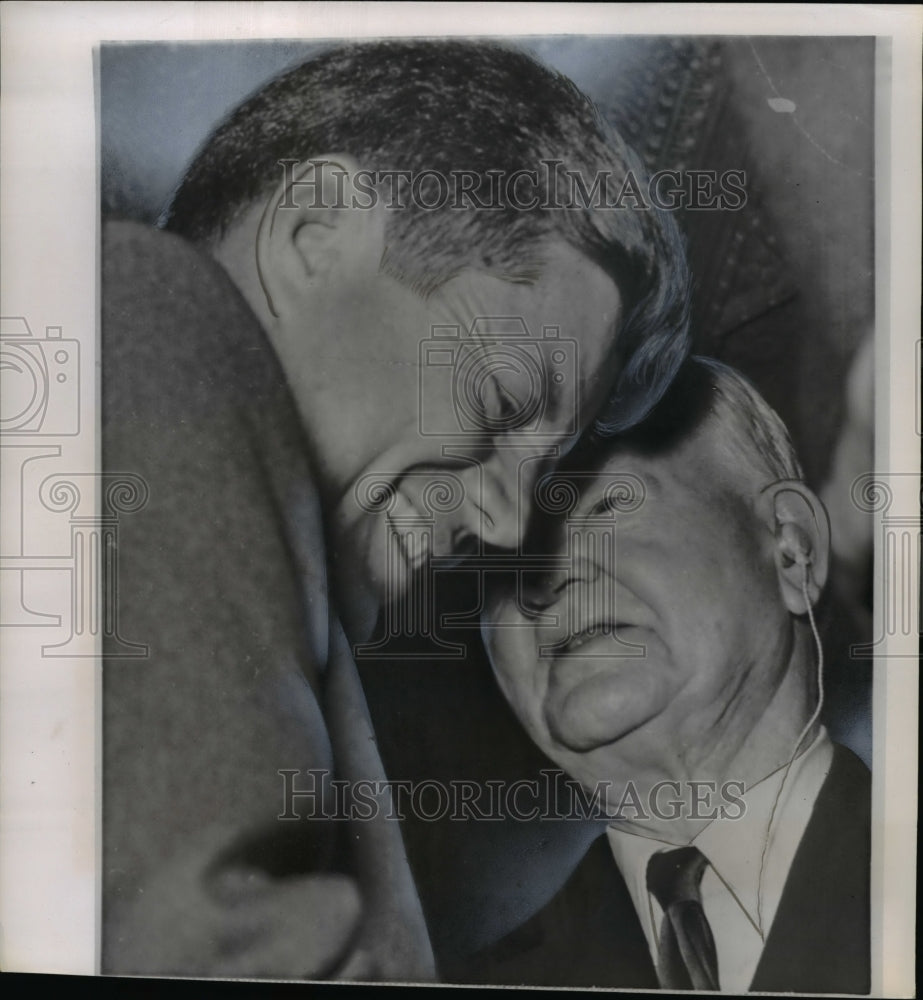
(706, 393)
(754, 431)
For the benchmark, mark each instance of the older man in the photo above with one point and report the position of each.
(673, 668)
(265, 372)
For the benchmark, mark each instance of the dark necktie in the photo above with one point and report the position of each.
(687, 959)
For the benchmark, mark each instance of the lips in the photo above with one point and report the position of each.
(415, 548)
(590, 632)
(429, 515)
(594, 606)
(595, 630)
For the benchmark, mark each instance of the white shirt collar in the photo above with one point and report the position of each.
(734, 849)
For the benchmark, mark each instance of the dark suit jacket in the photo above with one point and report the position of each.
(223, 576)
(589, 933)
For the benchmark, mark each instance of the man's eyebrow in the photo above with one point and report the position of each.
(604, 504)
(616, 491)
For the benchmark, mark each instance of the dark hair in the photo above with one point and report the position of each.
(422, 105)
(707, 395)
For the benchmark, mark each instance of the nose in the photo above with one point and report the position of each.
(500, 489)
(542, 590)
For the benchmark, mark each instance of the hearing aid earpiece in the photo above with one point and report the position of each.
(795, 544)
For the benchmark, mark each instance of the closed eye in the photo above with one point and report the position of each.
(605, 505)
(510, 404)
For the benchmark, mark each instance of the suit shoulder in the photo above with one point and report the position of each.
(164, 298)
(849, 783)
(149, 258)
(586, 935)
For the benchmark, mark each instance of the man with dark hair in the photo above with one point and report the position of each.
(674, 669)
(265, 371)
(483, 156)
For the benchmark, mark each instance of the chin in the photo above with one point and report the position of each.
(573, 725)
(576, 736)
(594, 711)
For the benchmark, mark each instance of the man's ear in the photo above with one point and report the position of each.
(319, 222)
(801, 541)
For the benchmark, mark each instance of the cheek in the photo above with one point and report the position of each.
(520, 674)
(721, 565)
(731, 618)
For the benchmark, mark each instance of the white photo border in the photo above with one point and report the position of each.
(51, 709)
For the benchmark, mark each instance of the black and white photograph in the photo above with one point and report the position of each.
(472, 477)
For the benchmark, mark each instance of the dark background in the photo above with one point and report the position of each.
(783, 291)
